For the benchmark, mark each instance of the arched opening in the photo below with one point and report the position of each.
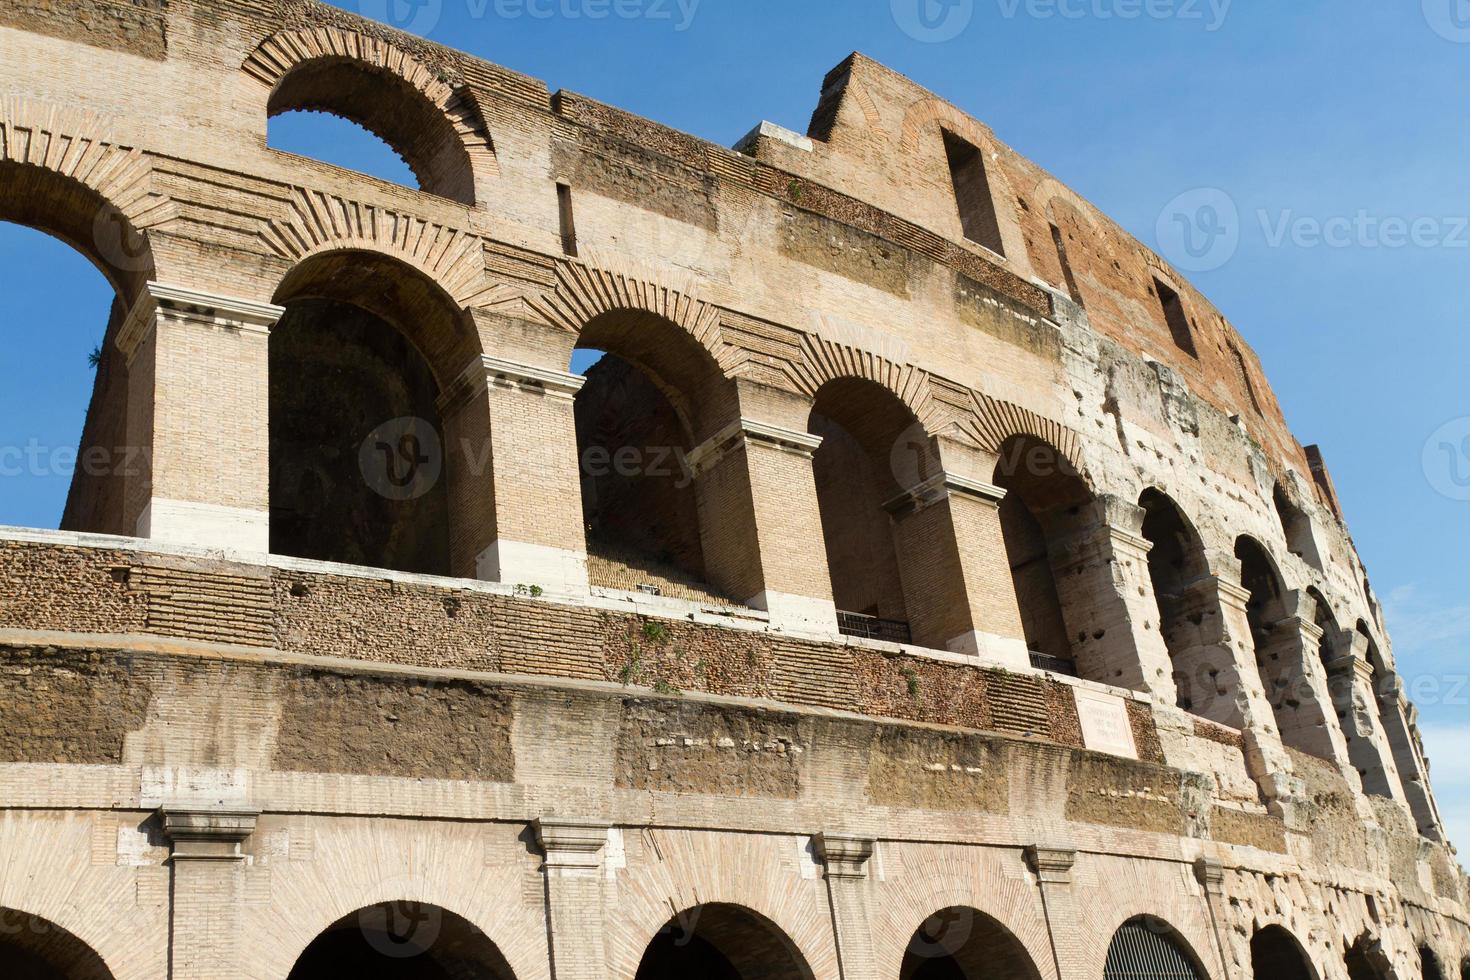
(1465, 970)
(1365, 960)
(1276, 955)
(1278, 651)
(721, 942)
(1355, 717)
(389, 107)
(1176, 563)
(401, 941)
(363, 468)
(32, 948)
(885, 545)
(64, 458)
(1044, 508)
(961, 943)
(653, 395)
(1147, 948)
(1296, 526)
(339, 142)
(1429, 968)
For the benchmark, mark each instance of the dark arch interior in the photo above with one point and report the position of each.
(963, 944)
(1297, 527)
(1175, 562)
(1044, 502)
(389, 108)
(1429, 968)
(721, 942)
(1276, 955)
(1363, 962)
(1147, 948)
(32, 948)
(356, 458)
(1264, 609)
(401, 941)
(872, 450)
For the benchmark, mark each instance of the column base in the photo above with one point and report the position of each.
(552, 569)
(186, 522)
(796, 612)
(1003, 650)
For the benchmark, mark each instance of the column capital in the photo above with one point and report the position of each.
(743, 432)
(1053, 865)
(192, 306)
(571, 844)
(1210, 873)
(208, 834)
(486, 371)
(941, 487)
(1353, 663)
(845, 856)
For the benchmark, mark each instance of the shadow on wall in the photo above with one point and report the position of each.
(401, 941)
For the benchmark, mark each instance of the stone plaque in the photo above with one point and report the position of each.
(1105, 726)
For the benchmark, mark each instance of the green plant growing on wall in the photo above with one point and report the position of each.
(911, 681)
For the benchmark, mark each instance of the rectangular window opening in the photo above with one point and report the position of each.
(972, 193)
(568, 223)
(1245, 377)
(1071, 281)
(1177, 319)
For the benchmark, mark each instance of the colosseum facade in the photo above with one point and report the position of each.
(924, 584)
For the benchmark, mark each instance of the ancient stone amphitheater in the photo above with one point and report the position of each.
(923, 585)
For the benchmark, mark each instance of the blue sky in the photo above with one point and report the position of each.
(1327, 128)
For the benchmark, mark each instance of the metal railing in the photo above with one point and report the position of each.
(1057, 665)
(873, 628)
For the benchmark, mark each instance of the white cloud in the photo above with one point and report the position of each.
(1448, 748)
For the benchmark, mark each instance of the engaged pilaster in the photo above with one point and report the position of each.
(514, 484)
(573, 866)
(846, 860)
(208, 864)
(196, 466)
(1053, 868)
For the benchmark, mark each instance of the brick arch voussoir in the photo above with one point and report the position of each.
(824, 360)
(313, 222)
(278, 55)
(583, 292)
(997, 421)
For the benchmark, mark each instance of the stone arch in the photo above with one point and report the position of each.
(401, 940)
(435, 126)
(1150, 948)
(312, 223)
(1276, 954)
(996, 421)
(1177, 568)
(824, 360)
(391, 470)
(722, 941)
(962, 943)
(1366, 959)
(1430, 967)
(582, 294)
(1277, 651)
(1048, 502)
(33, 948)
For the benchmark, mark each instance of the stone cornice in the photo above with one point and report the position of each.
(936, 488)
(487, 371)
(191, 306)
(572, 844)
(744, 431)
(208, 833)
(1053, 865)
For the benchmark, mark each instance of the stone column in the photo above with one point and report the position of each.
(1296, 684)
(514, 485)
(1210, 873)
(196, 469)
(208, 888)
(849, 891)
(573, 867)
(1217, 677)
(760, 529)
(1393, 708)
(1101, 573)
(1350, 681)
(1053, 867)
(952, 563)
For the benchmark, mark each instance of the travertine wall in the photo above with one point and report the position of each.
(212, 754)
